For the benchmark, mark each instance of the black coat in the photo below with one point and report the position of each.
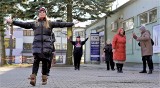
(78, 49)
(108, 52)
(42, 43)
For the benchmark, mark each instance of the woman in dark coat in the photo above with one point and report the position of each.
(42, 46)
(109, 55)
(78, 51)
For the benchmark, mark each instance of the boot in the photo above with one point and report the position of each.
(48, 74)
(33, 79)
(121, 66)
(118, 68)
(44, 79)
(150, 71)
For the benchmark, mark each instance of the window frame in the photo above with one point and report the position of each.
(30, 45)
(126, 22)
(148, 17)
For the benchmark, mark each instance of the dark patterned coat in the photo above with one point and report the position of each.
(42, 43)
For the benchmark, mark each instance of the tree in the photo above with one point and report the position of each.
(81, 10)
(68, 10)
(8, 7)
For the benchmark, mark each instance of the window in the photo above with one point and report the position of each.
(79, 33)
(128, 24)
(148, 17)
(57, 46)
(28, 33)
(27, 46)
(64, 46)
(64, 34)
(57, 34)
(143, 18)
(153, 15)
(7, 43)
(114, 26)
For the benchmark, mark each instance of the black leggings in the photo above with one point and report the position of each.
(77, 60)
(36, 65)
(147, 59)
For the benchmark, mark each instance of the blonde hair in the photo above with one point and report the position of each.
(46, 23)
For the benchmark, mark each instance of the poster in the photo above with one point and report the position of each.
(156, 39)
(95, 47)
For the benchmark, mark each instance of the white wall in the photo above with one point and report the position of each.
(19, 43)
(28, 39)
(139, 6)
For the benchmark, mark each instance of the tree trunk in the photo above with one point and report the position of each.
(2, 47)
(69, 33)
(11, 45)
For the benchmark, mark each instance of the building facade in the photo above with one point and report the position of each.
(131, 16)
(17, 45)
(22, 44)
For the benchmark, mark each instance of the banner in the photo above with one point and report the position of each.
(95, 47)
(156, 39)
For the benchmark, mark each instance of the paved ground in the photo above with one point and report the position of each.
(90, 76)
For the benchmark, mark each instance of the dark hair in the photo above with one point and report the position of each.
(78, 37)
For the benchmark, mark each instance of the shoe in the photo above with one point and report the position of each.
(121, 71)
(33, 79)
(143, 71)
(118, 70)
(48, 74)
(150, 72)
(44, 79)
(113, 69)
(78, 68)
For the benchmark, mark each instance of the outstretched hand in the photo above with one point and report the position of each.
(9, 21)
(75, 22)
(69, 37)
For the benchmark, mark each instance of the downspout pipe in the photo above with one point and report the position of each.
(105, 29)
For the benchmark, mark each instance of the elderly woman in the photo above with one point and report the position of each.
(109, 55)
(42, 45)
(119, 49)
(146, 48)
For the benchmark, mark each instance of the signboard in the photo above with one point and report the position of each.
(156, 39)
(95, 47)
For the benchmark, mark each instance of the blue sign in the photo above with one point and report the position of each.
(95, 47)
